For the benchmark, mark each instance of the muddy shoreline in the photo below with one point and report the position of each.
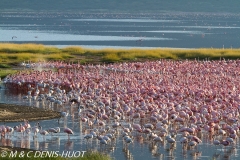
(17, 113)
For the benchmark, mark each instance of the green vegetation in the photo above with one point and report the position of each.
(13, 54)
(5, 72)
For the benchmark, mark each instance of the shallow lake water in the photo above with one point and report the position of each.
(141, 148)
(173, 30)
(109, 30)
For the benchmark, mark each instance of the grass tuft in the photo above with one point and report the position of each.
(4, 72)
(16, 53)
(73, 50)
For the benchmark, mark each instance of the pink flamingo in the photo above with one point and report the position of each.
(21, 129)
(10, 130)
(68, 131)
(26, 124)
(195, 94)
(225, 143)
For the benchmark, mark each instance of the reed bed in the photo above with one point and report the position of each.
(16, 53)
(5, 72)
(6, 58)
(27, 48)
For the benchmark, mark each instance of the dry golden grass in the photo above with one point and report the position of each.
(74, 50)
(13, 54)
(19, 52)
(5, 72)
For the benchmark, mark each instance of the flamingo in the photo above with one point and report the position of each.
(103, 142)
(184, 96)
(10, 130)
(94, 133)
(193, 144)
(111, 136)
(183, 140)
(225, 143)
(68, 131)
(43, 132)
(107, 138)
(57, 129)
(52, 130)
(3, 130)
(157, 139)
(21, 129)
(128, 140)
(63, 115)
(35, 131)
(170, 140)
(88, 136)
(79, 111)
(216, 142)
(26, 124)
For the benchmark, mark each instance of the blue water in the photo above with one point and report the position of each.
(184, 30)
(175, 30)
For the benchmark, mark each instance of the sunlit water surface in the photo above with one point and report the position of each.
(116, 31)
(106, 30)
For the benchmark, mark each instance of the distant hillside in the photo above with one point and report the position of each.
(121, 5)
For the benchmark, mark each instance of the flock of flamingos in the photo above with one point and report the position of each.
(163, 101)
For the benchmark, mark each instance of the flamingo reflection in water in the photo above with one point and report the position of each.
(191, 98)
(43, 145)
(69, 145)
